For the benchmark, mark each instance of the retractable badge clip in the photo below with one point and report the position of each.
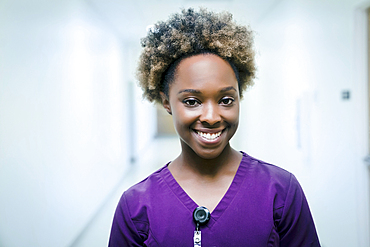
(201, 216)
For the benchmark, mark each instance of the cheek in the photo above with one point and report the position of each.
(232, 116)
(183, 117)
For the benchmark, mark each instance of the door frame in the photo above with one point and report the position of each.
(361, 79)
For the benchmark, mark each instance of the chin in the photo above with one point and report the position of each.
(209, 154)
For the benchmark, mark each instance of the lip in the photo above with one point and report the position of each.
(209, 131)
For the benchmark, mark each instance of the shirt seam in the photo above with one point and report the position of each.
(173, 192)
(290, 186)
(236, 193)
(131, 220)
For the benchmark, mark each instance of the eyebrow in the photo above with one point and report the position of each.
(198, 92)
(189, 91)
(228, 89)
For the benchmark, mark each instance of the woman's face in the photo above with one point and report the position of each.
(204, 103)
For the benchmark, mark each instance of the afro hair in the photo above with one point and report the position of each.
(189, 33)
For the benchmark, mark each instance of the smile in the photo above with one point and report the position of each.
(209, 136)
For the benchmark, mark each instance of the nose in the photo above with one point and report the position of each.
(210, 114)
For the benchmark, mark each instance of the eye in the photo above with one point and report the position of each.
(191, 102)
(227, 101)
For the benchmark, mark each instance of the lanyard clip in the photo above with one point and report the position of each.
(201, 216)
(197, 238)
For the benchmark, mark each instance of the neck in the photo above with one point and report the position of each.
(227, 159)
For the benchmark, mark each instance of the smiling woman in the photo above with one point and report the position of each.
(197, 65)
(204, 103)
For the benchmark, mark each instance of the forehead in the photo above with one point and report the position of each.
(205, 72)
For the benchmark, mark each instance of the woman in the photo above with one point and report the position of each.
(197, 64)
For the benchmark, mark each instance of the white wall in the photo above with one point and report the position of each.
(62, 120)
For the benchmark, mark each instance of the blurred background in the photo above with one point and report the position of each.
(75, 132)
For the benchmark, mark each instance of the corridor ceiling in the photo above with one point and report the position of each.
(130, 18)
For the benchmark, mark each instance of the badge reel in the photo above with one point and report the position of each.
(201, 216)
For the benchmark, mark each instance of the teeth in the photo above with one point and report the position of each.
(209, 136)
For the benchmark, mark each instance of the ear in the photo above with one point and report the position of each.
(166, 103)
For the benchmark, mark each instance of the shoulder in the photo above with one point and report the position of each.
(274, 182)
(292, 217)
(132, 216)
(146, 187)
(265, 171)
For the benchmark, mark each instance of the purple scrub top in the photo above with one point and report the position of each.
(264, 206)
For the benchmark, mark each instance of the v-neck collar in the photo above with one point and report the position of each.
(226, 199)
